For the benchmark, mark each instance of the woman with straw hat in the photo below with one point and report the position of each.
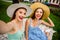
(15, 28)
(39, 12)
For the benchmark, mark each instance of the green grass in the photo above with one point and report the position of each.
(3, 8)
(55, 19)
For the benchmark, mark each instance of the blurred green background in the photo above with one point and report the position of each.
(54, 15)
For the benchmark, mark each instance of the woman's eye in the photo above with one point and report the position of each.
(41, 12)
(37, 11)
(20, 12)
(24, 13)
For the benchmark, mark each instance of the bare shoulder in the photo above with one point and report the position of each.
(28, 20)
(10, 24)
(41, 21)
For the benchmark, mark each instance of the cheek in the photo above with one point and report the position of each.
(24, 15)
(41, 14)
(17, 15)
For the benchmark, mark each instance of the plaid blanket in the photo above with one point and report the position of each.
(3, 37)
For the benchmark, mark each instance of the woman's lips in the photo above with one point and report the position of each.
(38, 15)
(20, 17)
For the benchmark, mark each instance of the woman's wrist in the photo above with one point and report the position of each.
(48, 18)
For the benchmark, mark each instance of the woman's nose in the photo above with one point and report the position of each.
(23, 15)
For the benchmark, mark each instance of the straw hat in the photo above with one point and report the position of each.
(13, 7)
(40, 5)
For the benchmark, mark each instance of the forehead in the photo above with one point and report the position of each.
(39, 9)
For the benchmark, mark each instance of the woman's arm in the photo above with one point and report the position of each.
(4, 27)
(26, 28)
(51, 24)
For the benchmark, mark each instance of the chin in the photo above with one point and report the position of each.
(38, 18)
(20, 19)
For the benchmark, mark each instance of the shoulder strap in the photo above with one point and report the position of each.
(23, 26)
(30, 21)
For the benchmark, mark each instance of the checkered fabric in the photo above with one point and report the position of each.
(3, 37)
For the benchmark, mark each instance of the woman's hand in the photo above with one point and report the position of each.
(49, 23)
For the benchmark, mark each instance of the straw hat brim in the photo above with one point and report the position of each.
(40, 5)
(13, 7)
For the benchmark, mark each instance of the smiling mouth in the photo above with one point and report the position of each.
(38, 15)
(20, 17)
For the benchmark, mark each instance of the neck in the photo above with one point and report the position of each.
(36, 20)
(18, 22)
